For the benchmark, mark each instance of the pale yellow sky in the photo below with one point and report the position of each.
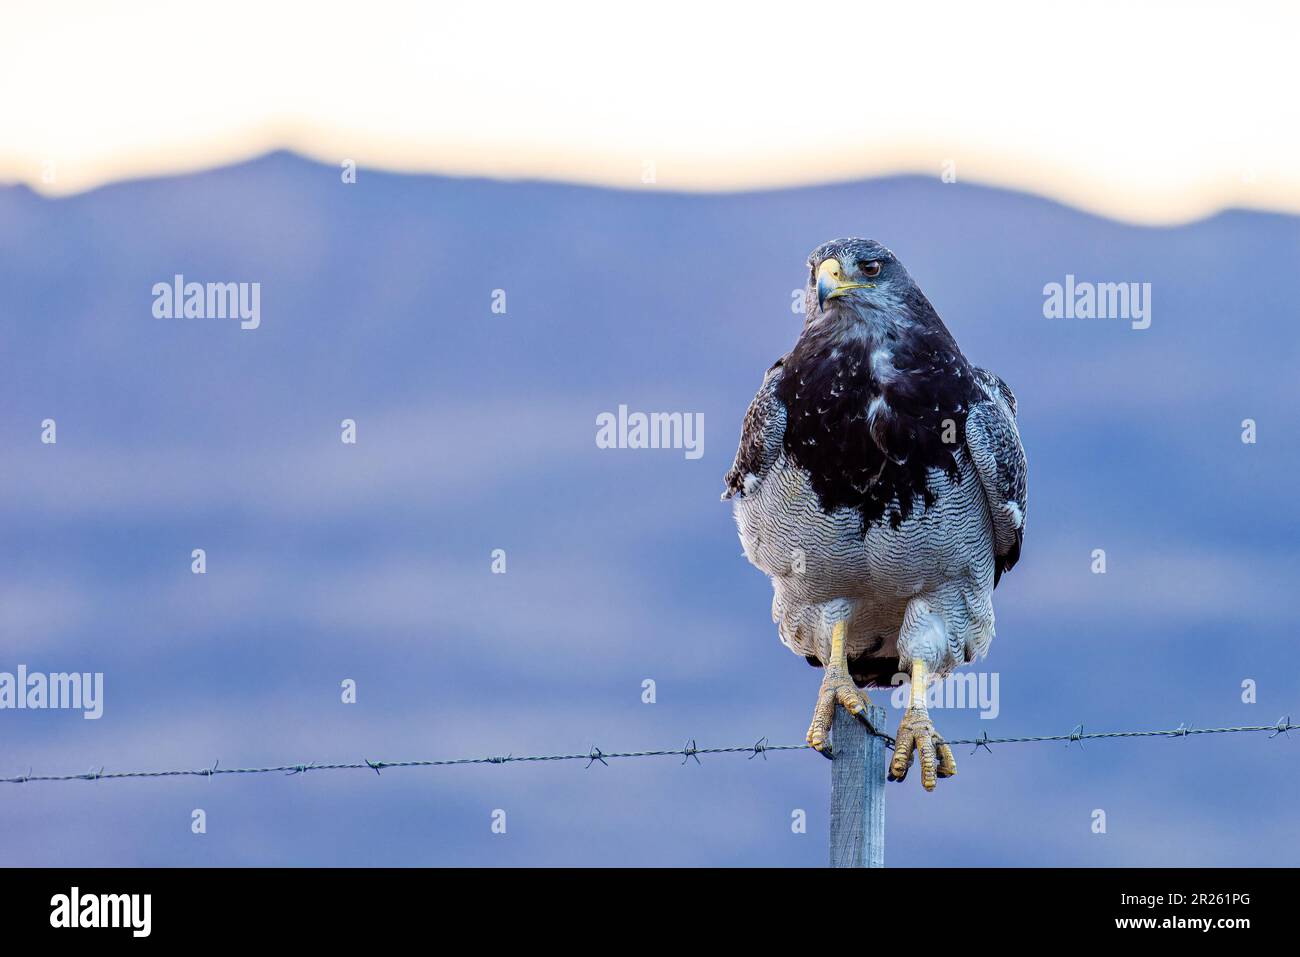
(1151, 112)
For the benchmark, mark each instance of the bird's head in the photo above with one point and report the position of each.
(857, 279)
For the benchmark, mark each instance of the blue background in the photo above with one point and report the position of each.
(476, 432)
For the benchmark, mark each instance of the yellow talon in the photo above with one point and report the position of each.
(837, 688)
(916, 733)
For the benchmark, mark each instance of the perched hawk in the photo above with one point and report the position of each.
(880, 483)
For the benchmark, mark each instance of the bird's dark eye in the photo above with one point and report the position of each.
(870, 269)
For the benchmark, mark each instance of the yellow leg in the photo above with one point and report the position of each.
(920, 678)
(916, 733)
(837, 688)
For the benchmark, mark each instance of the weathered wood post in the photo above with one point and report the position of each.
(858, 790)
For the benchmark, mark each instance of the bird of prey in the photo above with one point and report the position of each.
(881, 484)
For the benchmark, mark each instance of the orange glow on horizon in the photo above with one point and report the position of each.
(1153, 114)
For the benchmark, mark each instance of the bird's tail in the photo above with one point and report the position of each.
(868, 671)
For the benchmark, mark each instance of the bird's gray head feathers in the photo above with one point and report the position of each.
(855, 284)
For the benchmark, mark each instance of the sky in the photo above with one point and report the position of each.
(1153, 112)
(555, 214)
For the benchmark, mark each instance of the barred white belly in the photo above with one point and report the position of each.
(823, 568)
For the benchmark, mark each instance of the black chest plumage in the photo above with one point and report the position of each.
(868, 416)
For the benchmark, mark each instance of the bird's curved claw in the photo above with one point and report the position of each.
(837, 688)
(916, 734)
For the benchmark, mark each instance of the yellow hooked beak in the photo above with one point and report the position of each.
(830, 282)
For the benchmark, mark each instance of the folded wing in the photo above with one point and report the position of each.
(993, 441)
(760, 438)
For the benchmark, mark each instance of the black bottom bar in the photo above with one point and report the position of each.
(331, 906)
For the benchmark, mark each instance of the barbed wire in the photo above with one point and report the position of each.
(686, 753)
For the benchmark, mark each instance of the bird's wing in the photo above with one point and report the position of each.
(994, 444)
(760, 437)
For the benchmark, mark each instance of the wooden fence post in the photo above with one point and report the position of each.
(858, 790)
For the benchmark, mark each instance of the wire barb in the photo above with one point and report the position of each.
(690, 751)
